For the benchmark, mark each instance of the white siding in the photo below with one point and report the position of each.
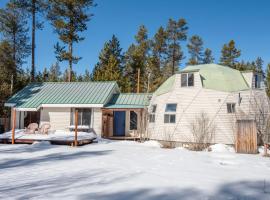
(96, 122)
(59, 118)
(191, 102)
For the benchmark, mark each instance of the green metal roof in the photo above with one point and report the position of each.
(129, 100)
(36, 94)
(167, 86)
(218, 77)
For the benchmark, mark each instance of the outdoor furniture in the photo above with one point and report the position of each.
(44, 129)
(31, 128)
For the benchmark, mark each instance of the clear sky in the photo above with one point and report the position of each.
(216, 21)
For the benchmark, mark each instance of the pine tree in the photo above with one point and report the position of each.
(87, 76)
(156, 60)
(229, 55)
(208, 57)
(54, 73)
(69, 18)
(110, 64)
(14, 30)
(176, 32)
(195, 49)
(136, 59)
(33, 8)
(259, 65)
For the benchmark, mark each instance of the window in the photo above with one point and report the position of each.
(257, 81)
(169, 116)
(133, 121)
(152, 117)
(171, 107)
(187, 80)
(231, 107)
(84, 116)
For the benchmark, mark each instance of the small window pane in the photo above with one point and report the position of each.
(152, 118)
(133, 121)
(231, 107)
(183, 80)
(191, 79)
(166, 118)
(170, 108)
(172, 118)
(154, 108)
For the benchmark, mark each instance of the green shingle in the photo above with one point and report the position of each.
(129, 100)
(35, 94)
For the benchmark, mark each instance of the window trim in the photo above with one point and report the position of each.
(135, 129)
(171, 114)
(170, 104)
(80, 115)
(152, 114)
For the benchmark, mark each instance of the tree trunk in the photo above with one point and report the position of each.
(33, 39)
(70, 62)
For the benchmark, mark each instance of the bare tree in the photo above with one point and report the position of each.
(203, 131)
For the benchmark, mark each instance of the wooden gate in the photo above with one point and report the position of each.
(246, 137)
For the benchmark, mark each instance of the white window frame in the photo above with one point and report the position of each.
(80, 115)
(187, 81)
(152, 114)
(171, 114)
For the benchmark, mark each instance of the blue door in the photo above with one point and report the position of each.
(119, 123)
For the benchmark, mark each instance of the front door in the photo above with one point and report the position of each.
(119, 123)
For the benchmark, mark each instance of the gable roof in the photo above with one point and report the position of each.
(129, 100)
(218, 77)
(166, 87)
(35, 95)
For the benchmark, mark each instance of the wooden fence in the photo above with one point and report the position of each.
(246, 137)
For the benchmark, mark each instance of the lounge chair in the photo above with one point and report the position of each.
(31, 128)
(44, 129)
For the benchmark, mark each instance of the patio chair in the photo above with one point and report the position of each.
(31, 128)
(44, 129)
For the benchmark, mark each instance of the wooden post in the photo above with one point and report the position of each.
(138, 81)
(76, 128)
(13, 125)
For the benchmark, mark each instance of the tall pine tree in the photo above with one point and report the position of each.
(110, 64)
(176, 32)
(259, 65)
(195, 49)
(136, 59)
(69, 18)
(208, 57)
(229, 55)
(33, 8)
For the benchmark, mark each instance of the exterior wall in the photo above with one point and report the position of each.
(96, 120)
(192, 101)
(59, 118)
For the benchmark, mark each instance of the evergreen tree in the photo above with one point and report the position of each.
(229, 55)
(14, 30)
(87, 76)
(208, 57)
(33, 8)
(195, 49)
(110, 65)
(259, 65)
(157, 59)
(176, 32)
(69, 18)
(54, 73)
(136, 59)
(267, 80)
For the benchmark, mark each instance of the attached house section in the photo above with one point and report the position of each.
(56, 103)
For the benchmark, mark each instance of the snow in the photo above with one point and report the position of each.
(121, 170)
(55, 135)
(221, 148)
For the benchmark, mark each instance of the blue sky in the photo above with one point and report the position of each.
(216, 21)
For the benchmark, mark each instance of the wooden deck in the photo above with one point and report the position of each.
(122, 138)
(55, 142)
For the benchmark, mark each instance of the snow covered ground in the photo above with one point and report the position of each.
(121, 170)
(55, 135)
